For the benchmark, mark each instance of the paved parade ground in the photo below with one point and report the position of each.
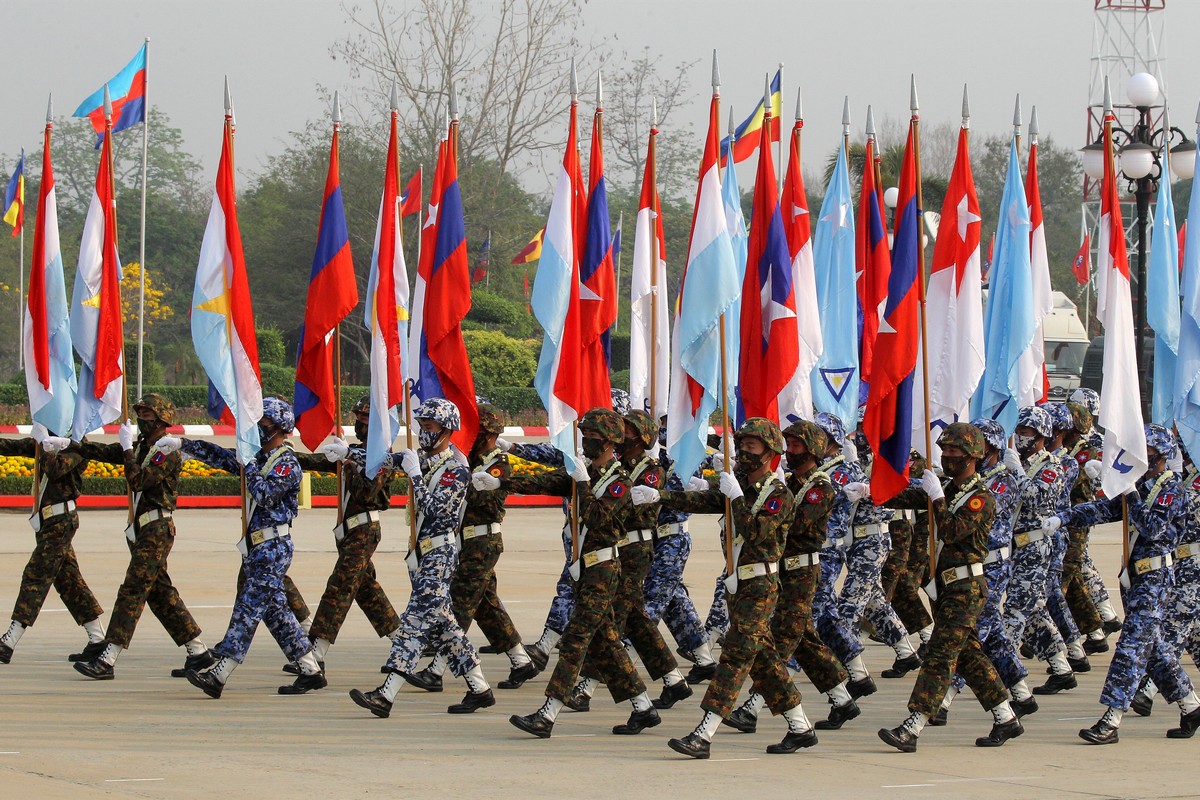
(147, 735)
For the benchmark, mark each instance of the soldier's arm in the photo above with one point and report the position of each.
(104, 453)
(447, 494)
(162, 468)
(611, 509)
(776, 513)
(710, 502)
(556, 483)
(17, 447)
(813, 509)
(60, 464)
(969, 518)
(544, 453)
(214, 455)
(1093, 513)
(282, 480)
(913, 497)
(314, 462)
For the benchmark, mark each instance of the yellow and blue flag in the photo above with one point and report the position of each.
(14, 198)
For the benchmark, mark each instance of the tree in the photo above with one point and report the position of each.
(499, 360)
(156, 311)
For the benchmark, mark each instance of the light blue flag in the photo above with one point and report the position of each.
(1008, 324)
(1162, 300)
(1187, 364)
(739, 240)
(835, 380)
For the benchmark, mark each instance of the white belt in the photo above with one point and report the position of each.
(350, 523)
(257, 537)
(1144, 565)
(954, 574)
(427, 546)
(152, 516)
(672, 528)
(1028, 537)
(863, 531)
(56, 510)
(594, 557)
(475, 531)
(1187, 551)
(798, 562)
(634, 537)
(747, 571)
(999, 554)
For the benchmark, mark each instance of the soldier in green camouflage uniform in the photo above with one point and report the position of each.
(153, 478)
(356, 538)
(602, 487)
(761, 513)
(1079, 599)
(53, 561)
(964, 520)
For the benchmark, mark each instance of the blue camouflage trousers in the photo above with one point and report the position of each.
(1141, 647)
(1056, 601)
(865, 558)
(1025, 606)
(666, 596)
(992, 636)
(262, 598)
(1180, 625)
(563, 603)
(717, 622)
(825, 603)
(429, 620)
(1094, 580)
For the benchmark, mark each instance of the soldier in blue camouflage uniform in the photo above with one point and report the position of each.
(439, 482)
(964, 521)
(1079, 601)
(272, 491)
(53, 561)
(152, 476)
(1158, 507)
(602, 489)
(1041, 490)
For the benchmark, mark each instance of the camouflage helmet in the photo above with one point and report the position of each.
(490, 420)
(762, 428)
(811, 434)
(1037, 418)
(965, 437)
(832, 426)
(993, 432)
(1081, 418)
(441, 411)
(1060, 417)
(605, 422)
(620, 401)
(279, 411)
(362, 405)
(1088, 398)
(1160, 439)
(163, 408)
(644, 424)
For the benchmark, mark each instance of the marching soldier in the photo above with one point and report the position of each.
(272, 490)
(153, 478)
(964, 520)
(53, 561)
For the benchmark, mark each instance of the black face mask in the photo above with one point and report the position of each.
(360, 430)
(797, 460)
(592, 448)
(954, 466)
(147, 427)
(265, 432)
(748, 462)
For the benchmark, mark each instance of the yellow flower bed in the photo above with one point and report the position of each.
(527, 468)
(22, 467)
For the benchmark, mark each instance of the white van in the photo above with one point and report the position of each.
(1066, 345)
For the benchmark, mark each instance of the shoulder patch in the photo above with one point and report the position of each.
(447, 478)
(1165, 499)
(616, 489)
(282, 470)
(652, 479)
(814, 495)
(975, 503)
(773, 505)
(495, 472)
(1082, 456)
(1048, 476)
(840, 478)
(998, 487)
(1196, 483)
(158, 458)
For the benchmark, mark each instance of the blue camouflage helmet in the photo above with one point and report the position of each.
(1060, 416)
(993, 432)
(279, 411)
(620, 401)
(1037, 418)
(441, 411)
(1088, 398)
(832, 426)
(1160, 439)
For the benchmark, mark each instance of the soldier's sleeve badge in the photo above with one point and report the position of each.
(773, 505)
(283, 470)
(1166, 498)
(1048, 476)
(1081, 457)
(158, 458)
(975, 504)
(616, 489)
(447, 478)
(652, 479)
(495, 472)
(814, 496)
(840, 478)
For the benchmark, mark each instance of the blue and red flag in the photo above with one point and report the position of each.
(410, 198)
(332, 295)
(769, 336)
(597, 282)
(873, 261)
(887, 422)
(127, 90)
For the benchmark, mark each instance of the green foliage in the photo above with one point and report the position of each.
(619, 353)
(277, 380)
(271, 349)
(620, 379)
(499, 360)
(152, 370)
(493, 312)
(516, 400)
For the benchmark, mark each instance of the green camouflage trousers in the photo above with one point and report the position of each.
(147, 583)
(1079, 599)
(954, 646)
(900, 532)
(750, 610)
(53, 563)
(906, 597)
(352, 581)
(794, 632)
(473, 592)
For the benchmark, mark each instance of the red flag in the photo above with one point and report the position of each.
(1182, 241)
(597, 282)
(532, 251)
(38, 332)
(873, 260)
(1083, 261)
(110, 340)
(410, 198)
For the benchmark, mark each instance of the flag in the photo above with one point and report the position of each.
(739, 240)
(96, 331)
(746, 137)
(1187, 364)
(532, 251)
(222, 315)
(795, 401)
(410, 199)
(1120, 393)
(49, 365)
(887, 421)
(14, 198)
(332, 295)
(442, 298)
(1009, 324)
(1034, 380)
(769, 334)
(1162, 300)
(648, 337)
(616, 239)
(555, 304)
(127, 91)
(1082, 266)
(954, 299)
(386, 315)
(480, 272)
(1182, 239)
(598, 284)
(873, 260)
(987, 261)
(835, 379)
(709, 291)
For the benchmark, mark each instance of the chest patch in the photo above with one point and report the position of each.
(975, 503)
(1048, 476)
(773, 505)
(652, 479)
(616, 489)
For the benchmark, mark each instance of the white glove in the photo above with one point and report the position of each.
(697, 484)
(1094, 469)
(850, 450)
(580, 473)
(168, 444)
(1012, 460)
(334, 451)
(1051, 524)
(716, 461)
(38, 432)
(656, 448)
(643, 495)
(503, 444)
(1175, 462)
(857, 491)
(932, 485)
(127, 434)
(730, 486)
(410, 463)
(52, 444)
(484, 482)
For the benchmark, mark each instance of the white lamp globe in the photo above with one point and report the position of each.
(1183, 160)
(891, 196)
(1093, 160)
(1137, 160)
(1142, 89)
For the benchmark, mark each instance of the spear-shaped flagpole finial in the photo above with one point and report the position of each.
(1198, 115)
(870, 123)
(913, 105)
(1033, 125)
(732, 127)
(716, 72)
(1017, 120)
(799, 105)
(337, 108)
(50, 108)
(767, 104)
(846, 116)
(599, 90)
(966, 109)
(107, 102)
(395, 97)
(453, 102)
(1108, 106)
(228, 99)
(574, 82)
(653, 112)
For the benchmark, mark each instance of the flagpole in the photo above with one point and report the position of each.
(876, 163)
(142, 236)
(779, 141)
(652, 168)
(728, 517)
(337, 333)
(575, 246)
(408, 384)
(617, 321)
(487, 272)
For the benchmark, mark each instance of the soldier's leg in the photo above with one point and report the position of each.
(276, 614)
(666, 574)
(494, 620)
(832, 628)
(148, 556)
(354, 554)
(750, 610)
(374, 603)
(1099, 593)
(1079, 602)
(596, 589)
(74, 591)
(684, 622)
(861, 590)
(900, 533)
(1026, 588)
(561, 607)
(52, 563)
(295, 601)
(169, 609)
(814, 657)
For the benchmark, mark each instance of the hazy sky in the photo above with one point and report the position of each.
(276, 53)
